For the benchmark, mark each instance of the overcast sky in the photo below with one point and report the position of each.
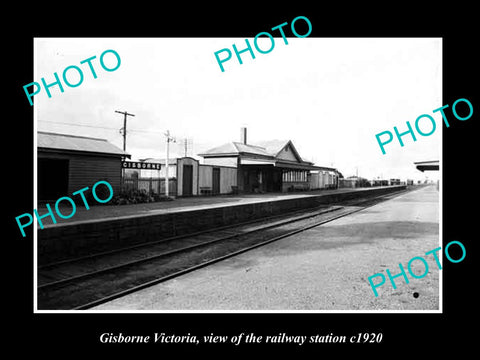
(330, 96)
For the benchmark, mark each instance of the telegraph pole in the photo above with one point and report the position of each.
(169, 138)
(186, 143)
(124, 127)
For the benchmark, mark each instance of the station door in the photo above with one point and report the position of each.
(216, 181)
(187, 188)
(52, 178)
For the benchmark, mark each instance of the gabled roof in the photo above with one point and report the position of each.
(266, 152)
(48, 140)
(275, 147)
(251, 149)
(228, 148)
(236, 148)
(270, 149)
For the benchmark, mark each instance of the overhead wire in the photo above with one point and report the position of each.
(99, 127)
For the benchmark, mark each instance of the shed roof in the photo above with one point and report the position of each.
(48, 140)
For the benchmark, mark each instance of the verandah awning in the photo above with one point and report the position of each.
(257, 162)
(284, 164)
(427, 165)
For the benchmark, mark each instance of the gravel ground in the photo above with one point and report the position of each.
(324, 268)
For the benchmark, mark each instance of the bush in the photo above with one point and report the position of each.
(136, 197)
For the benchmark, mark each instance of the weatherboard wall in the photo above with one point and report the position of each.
(86, 169)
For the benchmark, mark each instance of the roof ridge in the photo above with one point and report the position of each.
(238, 142)
(70, 135)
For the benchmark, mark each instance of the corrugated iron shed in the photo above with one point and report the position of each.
(65, 142)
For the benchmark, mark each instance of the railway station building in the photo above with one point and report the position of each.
(237, 167)
(269, 166)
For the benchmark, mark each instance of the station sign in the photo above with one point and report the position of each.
(140, 165)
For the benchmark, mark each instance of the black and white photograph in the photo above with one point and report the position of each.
(267, 183)
(260, 187)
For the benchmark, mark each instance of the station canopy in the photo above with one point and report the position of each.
(433, 165)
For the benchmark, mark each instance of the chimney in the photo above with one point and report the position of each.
(243, 135)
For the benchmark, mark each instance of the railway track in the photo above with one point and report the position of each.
(88, 281)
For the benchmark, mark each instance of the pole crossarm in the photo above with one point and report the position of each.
(125, 114)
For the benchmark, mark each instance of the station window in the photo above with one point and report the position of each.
(295, 176)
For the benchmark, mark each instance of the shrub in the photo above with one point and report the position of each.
(131, 196)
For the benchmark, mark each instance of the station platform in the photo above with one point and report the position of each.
(107, 227)
(321, 269)
(100, 212)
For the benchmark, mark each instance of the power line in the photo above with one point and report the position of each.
(84, 125)
(99, 127)
(147, 131)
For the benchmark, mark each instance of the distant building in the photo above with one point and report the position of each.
(347, 183)
(354, 181)
(67, 163)
(379, 182)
